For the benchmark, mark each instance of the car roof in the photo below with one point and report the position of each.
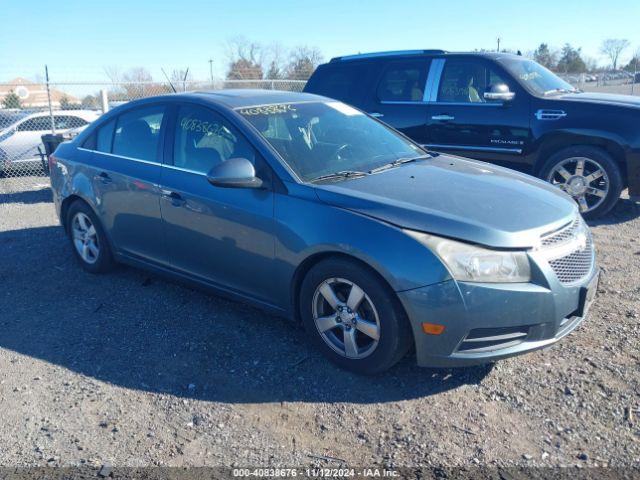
(237, 98)
(86, 114)
(418, 53)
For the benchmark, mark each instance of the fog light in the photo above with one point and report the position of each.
(432, 328)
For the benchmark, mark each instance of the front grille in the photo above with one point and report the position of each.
(563, 235)
(573, 265)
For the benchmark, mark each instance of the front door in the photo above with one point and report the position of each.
(221, 235)
(462, 121)
(399, 97)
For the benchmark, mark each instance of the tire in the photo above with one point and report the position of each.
(80, 217)
(591, 157)
(378, 313)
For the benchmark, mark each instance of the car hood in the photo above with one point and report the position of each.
(605, 98)
(457, 198)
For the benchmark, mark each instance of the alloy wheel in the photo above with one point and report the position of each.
(85, 238)
(582, 178)
(346, 318)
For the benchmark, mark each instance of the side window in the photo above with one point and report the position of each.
(403, 82)
(137, 133)
(36, 124)
(104, 137)
(64, 122)
(466, 81)
(340, 81)
(203, 139)
(100, 139)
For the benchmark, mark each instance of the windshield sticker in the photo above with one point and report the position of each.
(268, 109)
(527, 77)
(195, 125)
(343, 108)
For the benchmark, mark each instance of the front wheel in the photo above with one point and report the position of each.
(353, 317)
(589, 175)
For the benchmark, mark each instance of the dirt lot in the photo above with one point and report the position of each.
(129, 369)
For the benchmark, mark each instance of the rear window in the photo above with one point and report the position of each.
(403, 81)
(137, 133)
(342, 81)
(101, 138)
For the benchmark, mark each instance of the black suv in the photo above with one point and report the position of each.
(501, 108)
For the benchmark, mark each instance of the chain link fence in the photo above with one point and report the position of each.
(31, 110)
(618, 82)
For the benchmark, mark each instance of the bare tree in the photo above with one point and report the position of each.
(275, 60)
(245, 59)
(612, 48)
(113, 73)
(303, 61)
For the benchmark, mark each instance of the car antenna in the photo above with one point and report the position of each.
(168, 80)
(184, 79)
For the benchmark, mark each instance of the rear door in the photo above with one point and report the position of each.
(463, 122)
(398, 97)
(124, 158)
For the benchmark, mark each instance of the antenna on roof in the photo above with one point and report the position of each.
(168, 80)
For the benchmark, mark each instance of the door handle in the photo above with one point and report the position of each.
(376, 114)
(174, 197)
(443, 118)
(104, 178)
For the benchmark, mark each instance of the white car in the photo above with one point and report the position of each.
(21, 132)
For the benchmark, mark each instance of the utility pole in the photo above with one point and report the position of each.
(498, 39)
(211, 71)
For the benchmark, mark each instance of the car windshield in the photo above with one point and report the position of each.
(535, 77)
(329, 140)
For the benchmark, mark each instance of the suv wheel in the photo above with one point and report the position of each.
(353, 317)
(88, 239)
(589, 175)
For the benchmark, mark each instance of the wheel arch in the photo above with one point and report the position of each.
(312, 260)
(66, 203)
(553, 143)
(64, 209)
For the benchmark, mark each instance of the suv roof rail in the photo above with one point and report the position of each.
(387, 54)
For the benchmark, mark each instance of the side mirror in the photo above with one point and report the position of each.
(234, 173)
(499, 92)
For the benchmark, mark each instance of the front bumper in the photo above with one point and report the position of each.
(488, 322)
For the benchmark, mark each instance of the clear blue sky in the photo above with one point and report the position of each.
(78, 38)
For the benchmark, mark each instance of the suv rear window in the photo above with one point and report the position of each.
(342, 81)
(403, 82)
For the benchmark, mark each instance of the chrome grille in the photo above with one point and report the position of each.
(563, 235)
(572, 265)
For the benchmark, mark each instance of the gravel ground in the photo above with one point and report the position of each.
(130, 369)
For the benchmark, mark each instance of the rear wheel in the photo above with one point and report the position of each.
(589, 175)
(88, 239)
(353, 317)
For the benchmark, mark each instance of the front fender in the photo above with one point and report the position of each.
(306, 228)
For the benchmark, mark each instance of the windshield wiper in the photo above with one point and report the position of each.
(341, 174)
(398, 161)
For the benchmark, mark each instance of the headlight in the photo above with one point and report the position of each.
(471, 263)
